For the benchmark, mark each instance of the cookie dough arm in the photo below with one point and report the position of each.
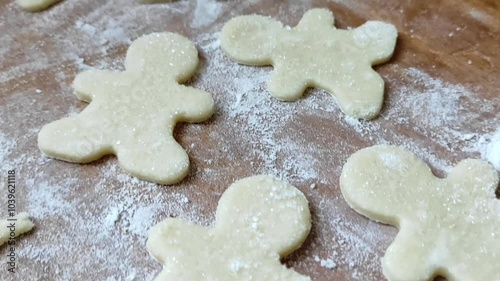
(92, 83)
(173, 237)
(479, 176)
(179, 245)
(251, 39)
(70, 139)
(359, 93)
(377, 39)
(154, 156)
(194, 105)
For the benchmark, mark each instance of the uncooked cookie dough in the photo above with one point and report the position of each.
(448, 227)
(14, 228)
(316, 54)
(36, 5)
(258, 221)
(133, 113)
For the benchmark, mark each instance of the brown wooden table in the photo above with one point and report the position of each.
(442, 102)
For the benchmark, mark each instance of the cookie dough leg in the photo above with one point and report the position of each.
(68, 139)
(406, 259)
(154, 158)
(92, 83)
(360, 94)
(285, 85)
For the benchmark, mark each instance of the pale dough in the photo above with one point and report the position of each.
(258, 221)
(133, 113)
(23, 224)
(448, 227)
(36, 5)
(316, 54)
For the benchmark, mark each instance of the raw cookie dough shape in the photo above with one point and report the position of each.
(36, 5)
(22, 224)
(259, 220)
(316, 54)
(133, 113)
(448, 227)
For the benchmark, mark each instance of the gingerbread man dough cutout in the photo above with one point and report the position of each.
(36, 5)
(133, 113)
(258, 221)
(448, 227)
(316, 54)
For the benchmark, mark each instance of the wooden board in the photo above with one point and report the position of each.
(442, 102)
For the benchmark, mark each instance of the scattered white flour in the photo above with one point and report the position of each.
(51, 199)
(244, 105)
(85, 27)
(482, 17)
(113, 216)
(7, 145)
(205, 13)
(493, 151)
(328, 263)
(488, 146)
(92, 220)
(5, 46)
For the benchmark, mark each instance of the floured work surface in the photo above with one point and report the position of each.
(442, 103)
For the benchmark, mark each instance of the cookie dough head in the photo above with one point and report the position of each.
(250, 39)
(447, 227)
(178, 56)
(265, 211)
(259, 219)
(369, 172)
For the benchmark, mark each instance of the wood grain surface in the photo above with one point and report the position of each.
(442, 99)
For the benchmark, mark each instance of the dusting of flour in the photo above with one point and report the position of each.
(205, 13)
(488, 146)
(92, 220)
